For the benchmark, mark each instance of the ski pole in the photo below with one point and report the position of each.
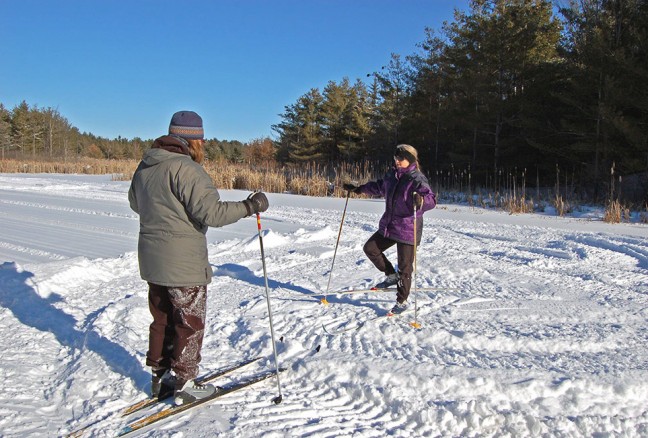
(324, 300)
(278, 398)
(415, 324)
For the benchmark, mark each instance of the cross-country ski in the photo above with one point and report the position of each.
(377, 290)
(145, 403)
(153, 401)
(334, 329)
(175, 410)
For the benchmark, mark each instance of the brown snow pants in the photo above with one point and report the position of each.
(375, 250)
(176, 334)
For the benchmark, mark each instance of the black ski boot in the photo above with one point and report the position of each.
(162, 382)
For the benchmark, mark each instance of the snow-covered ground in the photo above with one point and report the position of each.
(538, 326)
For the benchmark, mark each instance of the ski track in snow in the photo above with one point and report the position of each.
(534, 330)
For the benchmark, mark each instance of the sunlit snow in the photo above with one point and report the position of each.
(537, 325)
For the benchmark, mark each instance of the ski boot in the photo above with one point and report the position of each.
(163, 381)
(398, 308)
(190, 391)
(390, 280)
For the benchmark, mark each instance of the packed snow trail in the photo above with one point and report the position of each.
(539, 325)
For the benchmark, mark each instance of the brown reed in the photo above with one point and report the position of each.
(88, 166)
(613, 212)
(314, 179)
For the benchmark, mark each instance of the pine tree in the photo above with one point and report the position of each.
(300, 133)
(336, 114)
(607, 44)
(393, 88)
(360, 128)
(5, 130)
(428, 100)
(494, 52)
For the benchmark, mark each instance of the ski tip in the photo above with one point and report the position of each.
(125, 430)
(317, 349)
(278, 399)
(374, 288)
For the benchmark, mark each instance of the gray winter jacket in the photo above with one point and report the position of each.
(176, 202)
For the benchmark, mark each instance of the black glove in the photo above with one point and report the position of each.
(418, 200)
(257, 202)
(351, 188)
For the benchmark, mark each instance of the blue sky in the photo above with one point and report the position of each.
(122, 68)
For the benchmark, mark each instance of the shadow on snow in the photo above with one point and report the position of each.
(17, 295)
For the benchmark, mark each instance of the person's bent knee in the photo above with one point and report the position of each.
(371, 249)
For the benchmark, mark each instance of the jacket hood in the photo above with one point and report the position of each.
(157, 156)
(172, 143)
(165, 148)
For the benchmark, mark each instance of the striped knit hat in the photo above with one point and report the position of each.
(187, 124)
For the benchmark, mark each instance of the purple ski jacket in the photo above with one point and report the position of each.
(398, 187)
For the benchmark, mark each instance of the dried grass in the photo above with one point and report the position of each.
(89, 166)
(517, 205)
(612, 213)
(562, 207)
(306, 179)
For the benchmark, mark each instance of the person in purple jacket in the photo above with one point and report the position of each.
(401, 187)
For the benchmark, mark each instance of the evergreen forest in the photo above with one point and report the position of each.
(545, 91)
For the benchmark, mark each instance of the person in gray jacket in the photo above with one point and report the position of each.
(177, 202)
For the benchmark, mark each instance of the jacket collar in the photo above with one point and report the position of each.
(400, 171)
(172, 143)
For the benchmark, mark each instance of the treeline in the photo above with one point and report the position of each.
(550, 94)
(510, 94)
(30, 132)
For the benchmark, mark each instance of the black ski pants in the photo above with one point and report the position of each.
(375, 250)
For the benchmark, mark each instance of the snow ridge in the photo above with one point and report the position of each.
(536, 328)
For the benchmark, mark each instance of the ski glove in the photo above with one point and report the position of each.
(418, 200)
(351, 188)
(257, 202)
